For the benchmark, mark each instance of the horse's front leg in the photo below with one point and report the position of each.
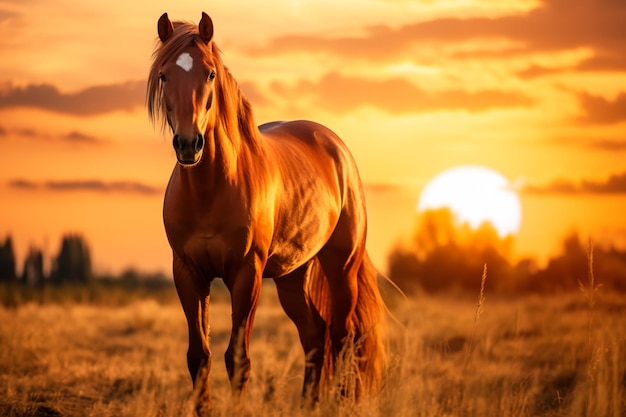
(193, 292)
(245, 288)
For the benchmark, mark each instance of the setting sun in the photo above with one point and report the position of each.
(475, 195)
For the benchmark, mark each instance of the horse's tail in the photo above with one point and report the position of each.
(366, 351)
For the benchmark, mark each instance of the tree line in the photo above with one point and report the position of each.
(442, 256)
(72, 264)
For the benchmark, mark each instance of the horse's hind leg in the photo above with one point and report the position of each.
(341, 270)
(311, 327)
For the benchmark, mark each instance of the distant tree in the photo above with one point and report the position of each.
(32, 273)
(565, 270)
(405, 268)
(73, 263)
(609, 266)
(444, 255)
(7, 261)
(568, 269)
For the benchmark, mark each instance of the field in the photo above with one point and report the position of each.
(530, 356)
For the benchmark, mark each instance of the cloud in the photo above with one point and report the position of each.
(23, 184)
(94, 100)
(592, 143)
(126, 187)
(338, 93)
(610, 145)
(614, 184)
(535, 71)
(79, 137)
(382, 187)
(554, 25)
(74, 137)
(7, 15)
(597, 63)
(88, 102)
(598, 110)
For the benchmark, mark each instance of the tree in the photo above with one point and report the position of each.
(444, 255)
(32, 273)
(7, 261)
(73, 263)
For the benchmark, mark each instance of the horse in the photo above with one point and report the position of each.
(283, 201)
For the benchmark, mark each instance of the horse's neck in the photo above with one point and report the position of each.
(225, 155)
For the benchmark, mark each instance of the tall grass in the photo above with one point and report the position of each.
(511, 357)
(601, 386)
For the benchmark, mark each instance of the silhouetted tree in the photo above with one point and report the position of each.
(32, 273)
(444, 255)
(7, 261)
(609, 267)
(405, 268)
(73, 263)
(563, 271)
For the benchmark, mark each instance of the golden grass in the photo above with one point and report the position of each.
(529, 357)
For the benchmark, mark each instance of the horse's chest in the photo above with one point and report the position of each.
(205, 237)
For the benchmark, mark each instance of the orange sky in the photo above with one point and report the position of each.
(535, 90)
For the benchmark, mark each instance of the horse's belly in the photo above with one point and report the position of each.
(278, 266)
(288, 255)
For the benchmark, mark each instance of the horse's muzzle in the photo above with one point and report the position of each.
(188, 151)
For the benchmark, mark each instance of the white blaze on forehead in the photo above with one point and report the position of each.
(185, 61)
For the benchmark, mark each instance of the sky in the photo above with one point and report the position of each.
(535, 90)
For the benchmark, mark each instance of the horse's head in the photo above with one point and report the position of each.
(182, 84)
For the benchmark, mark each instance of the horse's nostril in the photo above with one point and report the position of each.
(199, 143)
(176, 143)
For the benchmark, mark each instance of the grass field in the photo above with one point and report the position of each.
(532, 356)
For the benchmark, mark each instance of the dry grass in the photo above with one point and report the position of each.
(529, 357)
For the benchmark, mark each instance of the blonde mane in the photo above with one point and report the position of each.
(234, 111)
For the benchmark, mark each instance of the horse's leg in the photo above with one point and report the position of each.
(311, 327)
(195, 304)
(245, 288)
(341, 270)
(340, 259)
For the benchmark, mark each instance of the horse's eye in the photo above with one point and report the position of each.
(211, 76)
(162, 77)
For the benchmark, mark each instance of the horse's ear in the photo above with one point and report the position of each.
(165, 27)
(206, 28)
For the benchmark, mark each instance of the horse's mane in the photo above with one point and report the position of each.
(234, 110)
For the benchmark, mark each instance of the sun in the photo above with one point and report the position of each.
(475, 195)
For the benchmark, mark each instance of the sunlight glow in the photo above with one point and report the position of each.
(475, 195)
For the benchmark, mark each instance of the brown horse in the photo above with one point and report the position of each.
(281, 201)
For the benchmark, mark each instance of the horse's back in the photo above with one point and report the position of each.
(316, 141)
(304, 148)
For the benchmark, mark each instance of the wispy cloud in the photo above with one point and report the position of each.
(78, 137)
(591, 143)
(126, 187)
(599, 110)
(554, 25)
(339, 93)
(614, 184)
(73, 137)
(88, 102)
(600, 62)
(7, 15)
(382, 187)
